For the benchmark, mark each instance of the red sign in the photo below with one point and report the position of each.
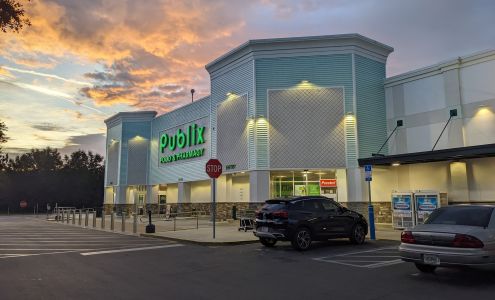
(214, 168)
(23, 204)
(328, 183)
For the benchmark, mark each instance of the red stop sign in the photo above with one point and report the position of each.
(214, 168)
(23, 204)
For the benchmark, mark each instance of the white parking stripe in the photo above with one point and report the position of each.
(357, 259)
(130, 249)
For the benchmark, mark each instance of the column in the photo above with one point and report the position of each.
(259, 186)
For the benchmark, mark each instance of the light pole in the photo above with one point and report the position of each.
(192, 95)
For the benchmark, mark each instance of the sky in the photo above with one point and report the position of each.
(83, 61)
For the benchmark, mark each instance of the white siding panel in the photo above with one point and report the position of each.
(424, 95)
(478, 82)
(480, 129)
(422, 138)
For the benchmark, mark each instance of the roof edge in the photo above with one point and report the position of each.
(410, 75)
(247, 47)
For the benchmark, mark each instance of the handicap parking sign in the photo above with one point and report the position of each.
(367, 172)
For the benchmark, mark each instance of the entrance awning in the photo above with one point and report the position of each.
(460, 153)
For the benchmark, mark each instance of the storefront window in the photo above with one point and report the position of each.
(302, 183)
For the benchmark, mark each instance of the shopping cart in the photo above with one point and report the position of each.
(246, 219)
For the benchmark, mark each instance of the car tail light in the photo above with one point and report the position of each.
(466, 241)
(283, 214)
(407, 237)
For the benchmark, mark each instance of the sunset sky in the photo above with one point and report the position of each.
(82, 61)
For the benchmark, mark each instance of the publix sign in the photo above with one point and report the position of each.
(177, 146)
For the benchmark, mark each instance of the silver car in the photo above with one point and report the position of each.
(458, 235)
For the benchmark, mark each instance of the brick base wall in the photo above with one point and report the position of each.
(383, 210)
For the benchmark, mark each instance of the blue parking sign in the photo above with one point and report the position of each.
(367, 172)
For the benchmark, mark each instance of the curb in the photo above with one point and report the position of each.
(235, 243)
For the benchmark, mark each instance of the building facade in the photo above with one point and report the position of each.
(301, 116)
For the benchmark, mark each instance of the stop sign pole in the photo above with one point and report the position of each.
(214, 170)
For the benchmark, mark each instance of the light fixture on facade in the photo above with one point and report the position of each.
(395, 164)
(304, 81)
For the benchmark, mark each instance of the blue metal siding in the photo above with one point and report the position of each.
(240, 81)
(370, 105)
(287, 72)
(112, 160)
(186, 170)
(129, 131)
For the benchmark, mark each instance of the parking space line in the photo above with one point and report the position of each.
(373, 258)
(384, 264)
(130, 249)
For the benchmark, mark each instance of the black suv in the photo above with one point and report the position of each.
(304, 219)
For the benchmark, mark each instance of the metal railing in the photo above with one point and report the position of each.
(172, 221)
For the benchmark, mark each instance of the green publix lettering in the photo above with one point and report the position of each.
(193, 136)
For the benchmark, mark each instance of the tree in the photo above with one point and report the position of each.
(12, 16)
(4, 158)
(42, 160)
(3, 135)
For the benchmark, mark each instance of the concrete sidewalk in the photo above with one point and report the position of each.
(200, 232)
(228, 234)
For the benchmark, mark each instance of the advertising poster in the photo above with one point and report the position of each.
(313, 189)
(425, 205)
(300, 190)
(401, 205)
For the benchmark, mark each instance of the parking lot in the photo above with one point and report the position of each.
(21, 237)
(42, 260)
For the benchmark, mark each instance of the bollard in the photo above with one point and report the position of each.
(175, 218)
(74, 217)
(86, 219)
(112, 221)
(62, 216)
(94, 219)
(103, 219)
(134, 224)
(150, 228)
(80, 217)
(197, 221)
(123, 221)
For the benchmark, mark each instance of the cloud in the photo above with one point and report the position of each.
(89, 142)
(140, 46)
(4, 72)
(44, 75)
(48, 127)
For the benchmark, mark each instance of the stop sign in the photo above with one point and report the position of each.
(214, 168)
(23, 204)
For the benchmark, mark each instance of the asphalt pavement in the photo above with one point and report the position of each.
(43, 260)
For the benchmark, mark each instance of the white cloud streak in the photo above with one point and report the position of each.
(46, 75)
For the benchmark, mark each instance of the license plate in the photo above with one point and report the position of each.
(429, 259)
(263, 229)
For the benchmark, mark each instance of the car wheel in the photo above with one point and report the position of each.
(358, 234)
(302, 239)
(425, 268)
(267, 242)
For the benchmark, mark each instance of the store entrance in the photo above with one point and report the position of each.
(141, 203)
(303, 183)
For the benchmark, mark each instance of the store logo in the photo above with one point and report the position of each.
(192, 136)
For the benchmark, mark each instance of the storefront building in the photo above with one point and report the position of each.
(293, 116)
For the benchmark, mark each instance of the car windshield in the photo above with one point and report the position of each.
(461, 215)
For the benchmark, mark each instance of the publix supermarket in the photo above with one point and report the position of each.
(303, 116)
